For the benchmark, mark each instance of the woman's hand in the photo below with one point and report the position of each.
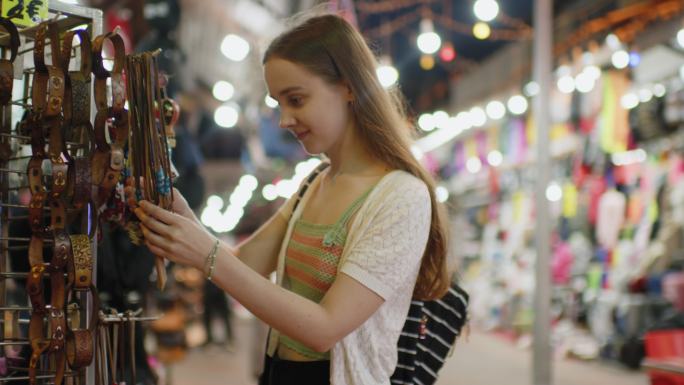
(174, 236)
(179, 206)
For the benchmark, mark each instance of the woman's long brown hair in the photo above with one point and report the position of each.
(330, 47)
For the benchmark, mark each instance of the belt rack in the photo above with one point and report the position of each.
(18, 181)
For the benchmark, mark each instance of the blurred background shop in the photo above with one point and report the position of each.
(615, 191)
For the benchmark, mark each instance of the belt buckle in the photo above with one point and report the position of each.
(116, 162)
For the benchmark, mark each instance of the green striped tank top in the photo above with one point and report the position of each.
(311, 260)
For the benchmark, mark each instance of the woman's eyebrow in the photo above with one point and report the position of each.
(289, 89)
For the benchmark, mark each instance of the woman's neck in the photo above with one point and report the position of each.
(350, 156)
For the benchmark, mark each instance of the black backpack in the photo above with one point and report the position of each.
(429, 336)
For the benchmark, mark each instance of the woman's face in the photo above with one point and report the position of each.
(313, 110)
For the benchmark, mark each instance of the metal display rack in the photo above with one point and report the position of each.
(13, 183)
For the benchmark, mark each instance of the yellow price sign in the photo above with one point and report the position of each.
(25, 13)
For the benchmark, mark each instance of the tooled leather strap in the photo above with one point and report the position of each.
(6, 65)
(116, 74)
(80, 80)
(48, 80)
(80, 344)
(83, 261)
(82, 187)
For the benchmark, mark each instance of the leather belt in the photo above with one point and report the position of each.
(116, 74)
(83, 261)
(48, 114)
(58, 325)
(80, 80)
(80, 343)
(34, 288)
(108, 158)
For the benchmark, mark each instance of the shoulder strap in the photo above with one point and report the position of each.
(309, 179)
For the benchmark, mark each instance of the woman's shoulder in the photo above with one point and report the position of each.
(398, 184)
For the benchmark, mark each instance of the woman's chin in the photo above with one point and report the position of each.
(312, 149)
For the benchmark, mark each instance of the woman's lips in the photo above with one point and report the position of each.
(301, 135)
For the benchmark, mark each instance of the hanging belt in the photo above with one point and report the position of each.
(80, 342)
(116, 74)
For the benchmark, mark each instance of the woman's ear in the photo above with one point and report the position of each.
(349, 94)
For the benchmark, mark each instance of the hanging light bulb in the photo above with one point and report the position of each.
(223, 90)
(427, 62)
(531, 88)
(428, 41)
(387, 75)
(481, 30)
(235, 47)
(517, 105)
(447, 53)
(620, 59)
(680, 37)
(495, 110)
(486, 10)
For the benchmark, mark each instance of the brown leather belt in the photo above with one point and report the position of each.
(34, 288)
(116, 74)
(80, 343)
(108, 158)
(50, 92)
(83, 261)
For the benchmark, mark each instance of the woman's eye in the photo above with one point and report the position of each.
(295, 100)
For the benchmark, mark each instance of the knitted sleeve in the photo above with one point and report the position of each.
(390, 249)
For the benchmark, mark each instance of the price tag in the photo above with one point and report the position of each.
(25, 13)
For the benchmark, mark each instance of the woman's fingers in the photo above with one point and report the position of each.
(154, 239)
(151, 222)
(158, 213)
(155, 250)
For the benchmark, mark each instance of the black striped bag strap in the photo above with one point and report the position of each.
(302, 190)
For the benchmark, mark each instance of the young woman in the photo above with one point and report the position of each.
(366, 236)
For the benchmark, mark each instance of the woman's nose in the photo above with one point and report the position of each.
(286, 120)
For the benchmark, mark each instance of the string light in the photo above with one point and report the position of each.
(566, 84)
(495, 110)
(387, 75)
(629, 100)
(447, 53)
(226, 116)
(531, 89)
(428, 41)
(645, 95)
(481, 30)
(474, 165)
(234, 47)
(223, 91)
(441, 119)
(486, 10)
(554, 192)
(517, 105)
(426, 122)
(495, 158)
(427, 62)
(442, 194)
(478, 118)
(620, 59)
